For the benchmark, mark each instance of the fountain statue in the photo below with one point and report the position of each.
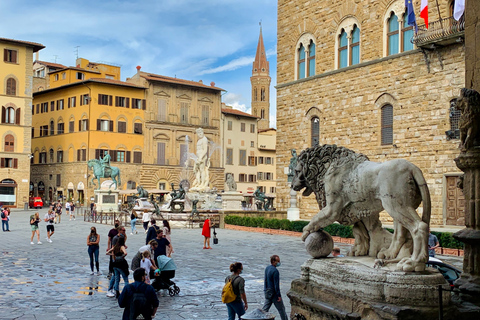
(202, 164)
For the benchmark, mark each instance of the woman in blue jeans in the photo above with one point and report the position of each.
(238, 283)
(93, 241)
(133, 222)
(120, 267)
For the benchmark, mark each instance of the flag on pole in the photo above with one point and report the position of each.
(458, 9)
(411, 20)
(424, 12)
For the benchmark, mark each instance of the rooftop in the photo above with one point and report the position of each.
(238, 113)
(36, 46)
(50, 64)
(156, 77)
(95, 80)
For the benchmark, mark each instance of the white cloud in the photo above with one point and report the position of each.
(232, 65)
(233, 100)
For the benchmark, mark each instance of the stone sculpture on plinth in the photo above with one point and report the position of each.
(202, 164)
(102, 169)
(231, 198)
(350, 190)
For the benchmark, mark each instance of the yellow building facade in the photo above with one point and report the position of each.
(80, 117)
(16, 119)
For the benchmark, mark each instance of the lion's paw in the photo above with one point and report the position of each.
(408, 265)
(359, 250)
(305, 234)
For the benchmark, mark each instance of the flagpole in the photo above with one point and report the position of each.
(439, 15)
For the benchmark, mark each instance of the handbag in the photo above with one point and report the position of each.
(215, 239)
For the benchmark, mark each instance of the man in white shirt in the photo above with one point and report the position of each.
(50, 220)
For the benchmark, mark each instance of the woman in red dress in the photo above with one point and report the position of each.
(206, 233)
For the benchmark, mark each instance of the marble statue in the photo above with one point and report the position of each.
(230, 184)
(202, 163)
(350, 189)
(102, 169)
(469, 124)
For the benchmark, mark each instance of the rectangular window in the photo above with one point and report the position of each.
(205, 115)
(43, 131)
(59, 180)
(52, 105)
(162, 110)
(242, 177)
(137, 157)
(82, 155)
(83, 125)
(71, 127)
(104, 100)
(84, 99)
(64, 75)
(137, 128)
(272, 189)
(184, 112)
(10, 55)
(122, 127)
(161, 153)
(9, 163)
(60, 156)
(268, 160)
(268, 176)
(42, 157)
(252, 144)
(120, 102)
(60, 128)
(260, 160)
(230, 125)
(56, 77)
(243, 158)
(260, 176)
(387, 125)
(103, 125)
(120, 156)
(252, 128)
(252, 161)
(73, 102)
(80, 76)
(139, 104)
(44, 107)
(252, 178)
(242, 127)
(60, 104)
(229, 156)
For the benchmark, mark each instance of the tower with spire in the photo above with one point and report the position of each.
(260, 81)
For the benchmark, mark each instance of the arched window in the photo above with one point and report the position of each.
(311, 59)
(262, 114)
(355, 46)
(407, 34)
(301, 62)
(392, 34)
(262, 94)
(343, 50)
(387, 124)
(9, 143)
(315, 134)
(50, 155)
(11, 87)
(52, 129)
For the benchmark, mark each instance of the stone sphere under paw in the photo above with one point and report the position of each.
(319, 244)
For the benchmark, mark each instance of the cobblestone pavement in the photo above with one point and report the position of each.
(53, 281)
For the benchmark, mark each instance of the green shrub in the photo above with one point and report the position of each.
(447, 240)
(298, 225)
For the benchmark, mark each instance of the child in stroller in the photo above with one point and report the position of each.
(164, 274)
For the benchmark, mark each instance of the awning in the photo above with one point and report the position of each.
(70, 186)
(158, 191)
(128, 191)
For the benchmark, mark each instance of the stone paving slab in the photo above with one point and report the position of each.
(53, 281)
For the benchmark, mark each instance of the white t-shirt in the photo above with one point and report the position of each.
(50, 218)
(67, 206)
(146, 217)
(146, 264)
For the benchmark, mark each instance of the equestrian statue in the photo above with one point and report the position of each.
(102, 169)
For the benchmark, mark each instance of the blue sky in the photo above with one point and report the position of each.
(209, 40)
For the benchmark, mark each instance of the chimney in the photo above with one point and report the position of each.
(138, 68)
(200, 81)
(37, 56)
(212, 84)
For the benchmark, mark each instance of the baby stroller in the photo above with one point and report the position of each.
(164, 274)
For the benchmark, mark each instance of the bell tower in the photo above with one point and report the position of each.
(260, 81)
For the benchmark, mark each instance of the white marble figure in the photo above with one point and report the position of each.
(202, 164)
(352, 190)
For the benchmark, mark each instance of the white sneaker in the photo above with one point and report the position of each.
(50, 240)
(39, 242)
(131, 233)
(92, 273)
(99, 273)
(110, 293)
(32, 243)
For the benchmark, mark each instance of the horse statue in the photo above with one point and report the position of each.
(98, 173)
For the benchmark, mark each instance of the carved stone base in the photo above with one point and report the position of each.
(232, 200)
(350, 288)
(106, 200)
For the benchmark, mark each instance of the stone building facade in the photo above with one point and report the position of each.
(16, 119)
(349, 75)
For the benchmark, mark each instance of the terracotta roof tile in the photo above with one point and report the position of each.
(238, 113)
(51, 64)
(76, 68)
(265, 130)
(157, 77)
(36, 46)
(113, 81)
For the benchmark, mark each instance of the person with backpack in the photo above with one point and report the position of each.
(152, 231)
(5, 217)
(238, 285)
(138, 298)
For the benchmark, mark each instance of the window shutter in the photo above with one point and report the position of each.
(128, 157)
(4, 111)
(127, 102)
(68, 102)
(15, 163)
(78, 154)
(144, 104)
(14, 56)
(116, 101)
(111, 126)
(17, 116)
(109, 100)
(38, 108)
(2, 162)
(79, 125)
(74, 101)
(99, 124)
(81, 100)
(86, 124)
(97, 153)
(5, 54)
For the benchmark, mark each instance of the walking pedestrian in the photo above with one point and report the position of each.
(111, 234)
(58, 212)
(238, 284)
(163, 243)
(133, 221)
(271, 287)
(50, 220)
(432, 244)
(145, 219)
(206, 234)
(152, 231)
(34, 220)
(72, 211)
(5, 219)
(120, 267)
(93, 241)
(67, 209)
(167, 231)
(126, 299)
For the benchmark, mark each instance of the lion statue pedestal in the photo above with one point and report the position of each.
(351, 288)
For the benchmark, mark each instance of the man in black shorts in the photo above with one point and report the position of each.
(50, 220)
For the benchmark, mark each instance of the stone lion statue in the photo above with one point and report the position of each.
(230, 184)
(469, 104)
(350, 189)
